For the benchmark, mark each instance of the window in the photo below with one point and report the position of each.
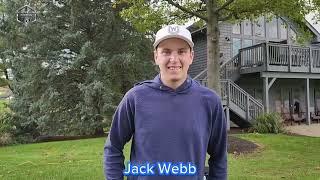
(236, 28)
(259, 27)
(292, 36)
(236, 45)
(272, 28)
(247, 28)
(247, 43)
(283, 29)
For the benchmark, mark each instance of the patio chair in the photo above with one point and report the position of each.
(297, 118)
(314, 117)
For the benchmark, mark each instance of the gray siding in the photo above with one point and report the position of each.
(200, 54)
(200, 48)
(225, 42)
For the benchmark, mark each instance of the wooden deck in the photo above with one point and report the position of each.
(272, 57)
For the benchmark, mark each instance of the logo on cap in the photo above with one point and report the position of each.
(173, 29)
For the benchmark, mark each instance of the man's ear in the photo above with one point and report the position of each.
(192, 56)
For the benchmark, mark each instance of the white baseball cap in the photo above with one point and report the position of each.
(173, 31)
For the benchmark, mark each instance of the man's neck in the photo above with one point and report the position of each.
(172, 84)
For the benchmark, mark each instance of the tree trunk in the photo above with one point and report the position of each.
(213, 49)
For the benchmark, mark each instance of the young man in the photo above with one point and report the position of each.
(173, 121)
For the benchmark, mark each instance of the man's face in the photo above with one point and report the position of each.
(173, 56)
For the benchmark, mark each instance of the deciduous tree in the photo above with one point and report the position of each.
(148, 16)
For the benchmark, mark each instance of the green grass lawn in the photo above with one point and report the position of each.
(281, 157)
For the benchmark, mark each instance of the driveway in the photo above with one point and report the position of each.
(311, 130)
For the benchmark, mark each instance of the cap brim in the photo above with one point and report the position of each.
(158, 41)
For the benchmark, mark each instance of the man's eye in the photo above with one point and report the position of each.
(181, 51)
(166, 52)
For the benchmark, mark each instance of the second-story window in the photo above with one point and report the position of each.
(292, 36)
(283, 29)
(236, 45)
(247, 28)
(236, 28)
(259, 27)
(272, 27)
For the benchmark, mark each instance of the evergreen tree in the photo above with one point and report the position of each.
(72, 66)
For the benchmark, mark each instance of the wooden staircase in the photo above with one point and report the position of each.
(234, 97)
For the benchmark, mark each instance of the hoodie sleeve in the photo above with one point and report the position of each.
(120, 133)
(217, 147)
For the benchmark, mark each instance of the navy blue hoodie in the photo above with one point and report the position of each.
(168, 125)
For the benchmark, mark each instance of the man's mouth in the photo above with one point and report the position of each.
(174, 67)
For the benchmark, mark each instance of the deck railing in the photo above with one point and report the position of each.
(201, 75)
(284, 55)
(278, 54)
(316, 58)
(232, 93)
(300, 56)
(253, 55)
(296, 58)
(229, 68)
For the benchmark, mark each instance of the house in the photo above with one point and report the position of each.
(264, 70)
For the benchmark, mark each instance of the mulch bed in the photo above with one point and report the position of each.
(236, 130)
(235, 145)
(240, 146)
(64, 138)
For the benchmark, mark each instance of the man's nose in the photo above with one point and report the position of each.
(174, 56)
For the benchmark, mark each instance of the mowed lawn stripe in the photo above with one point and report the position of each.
(279, 157)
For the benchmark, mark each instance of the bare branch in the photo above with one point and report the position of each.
(187, 10)
(225, 5)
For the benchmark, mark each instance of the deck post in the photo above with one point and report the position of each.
(248, 107)
(310, 60)
(266, 94)
(290, 58)
(307, 89)
(229, 92)
(240, 59)
(228, 118)
(267, 56)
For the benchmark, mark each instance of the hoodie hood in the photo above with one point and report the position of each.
(156, 83)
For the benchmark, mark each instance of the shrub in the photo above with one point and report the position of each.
(4, 123)
(6, 128)
(268, 123)
(5, 139)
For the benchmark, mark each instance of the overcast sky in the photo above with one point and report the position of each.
(312, 22)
